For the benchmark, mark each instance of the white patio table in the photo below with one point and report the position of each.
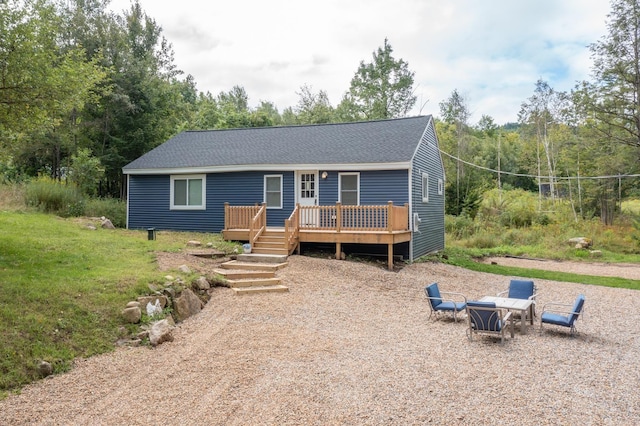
(522, 305)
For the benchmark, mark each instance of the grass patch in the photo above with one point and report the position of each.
(63, 287)
(464, 260)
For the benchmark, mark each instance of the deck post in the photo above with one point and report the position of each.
(338, 216)
(390, 216)
(226, 216)
(338, 251)
(390, 254)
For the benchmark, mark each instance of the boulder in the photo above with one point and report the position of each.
(193, 243)
(202, 283)
(106, 224)
(132, 314)
(160, 332)
(133, 304)
(186, 305)
(581, 242)
(44, 368)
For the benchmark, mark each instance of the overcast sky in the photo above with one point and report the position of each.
(491, 51)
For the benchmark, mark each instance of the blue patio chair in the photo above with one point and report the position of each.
(444, 301)
(521, 289)
(562, 314)
(485, 318)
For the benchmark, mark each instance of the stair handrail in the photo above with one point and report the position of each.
(292, 229)
(258, 224)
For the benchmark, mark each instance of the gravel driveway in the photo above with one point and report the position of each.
(352, 344)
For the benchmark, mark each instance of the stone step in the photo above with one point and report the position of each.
(264, 289)
(252, 266)
(254, 282)
(262, 258)
(238, 274)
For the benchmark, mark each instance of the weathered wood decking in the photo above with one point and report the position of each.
(338, 224)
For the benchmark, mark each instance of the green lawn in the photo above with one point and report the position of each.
(63, 286)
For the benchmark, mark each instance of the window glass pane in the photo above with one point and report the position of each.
(273, 193)
(195, 192)
(273, 184)
(273, 199)
(349, 198)
(425, 187)
(349, 182)
(180, 192)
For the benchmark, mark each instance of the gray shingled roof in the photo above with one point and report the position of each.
(384, 141)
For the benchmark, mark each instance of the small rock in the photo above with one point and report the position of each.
(193, 243)
(203, 284)
(44, 368)
(169, 277)
(595, 253)
(106, 224)
(209, 245)
(91, 227)
(160, 332)
(132, 315)
(184, 269)
(133, 304)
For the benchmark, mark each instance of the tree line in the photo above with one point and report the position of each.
(84, 91)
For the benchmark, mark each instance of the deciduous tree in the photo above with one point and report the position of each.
(380, 89)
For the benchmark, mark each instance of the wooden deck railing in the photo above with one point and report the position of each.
(355, 218)
(258, 224)
(338, 217)
(291, 229)
(239, 217)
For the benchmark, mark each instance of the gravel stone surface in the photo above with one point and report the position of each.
(353, 344)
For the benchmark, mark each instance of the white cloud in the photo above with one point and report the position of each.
(492, 51)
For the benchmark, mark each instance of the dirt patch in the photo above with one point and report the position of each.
(194, 260)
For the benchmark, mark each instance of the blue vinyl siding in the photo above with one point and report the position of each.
(149, 207)
(376, 187)
(149, 201)
(428, 160)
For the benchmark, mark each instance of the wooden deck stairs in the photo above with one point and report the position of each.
(271, 241)
(254, 273)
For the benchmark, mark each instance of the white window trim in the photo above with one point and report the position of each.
(188, 177)
(440, 187)
(357, 174)
(425, 188)
(264, 187)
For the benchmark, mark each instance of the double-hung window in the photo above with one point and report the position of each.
(188, 192)
(425, 187)
(273, 191)
(349, 184)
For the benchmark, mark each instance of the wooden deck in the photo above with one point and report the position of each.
(338, 224)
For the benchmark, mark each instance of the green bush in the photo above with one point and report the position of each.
(112, 209)
(459, 227)
(51, 196)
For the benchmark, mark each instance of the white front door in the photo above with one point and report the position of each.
(306, 196)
